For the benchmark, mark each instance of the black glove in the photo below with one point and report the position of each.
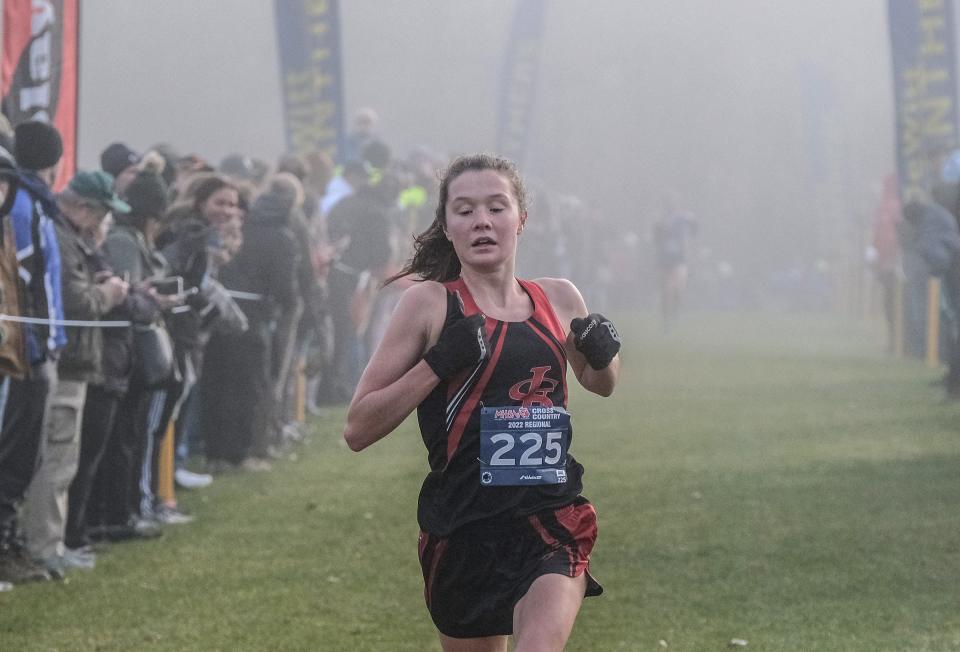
(462, 344)
(596, 338)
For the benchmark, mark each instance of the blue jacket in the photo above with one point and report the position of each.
(38, 256)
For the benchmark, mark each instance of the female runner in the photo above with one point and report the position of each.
(505, 534)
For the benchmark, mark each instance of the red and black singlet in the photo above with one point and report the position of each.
(526, 368)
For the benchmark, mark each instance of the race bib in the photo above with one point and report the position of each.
(523, 446)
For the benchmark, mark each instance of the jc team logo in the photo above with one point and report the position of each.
(536, 390)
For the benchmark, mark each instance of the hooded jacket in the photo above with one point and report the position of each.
(83, 299)
(267, 263)
(183, 244)
(38, 256)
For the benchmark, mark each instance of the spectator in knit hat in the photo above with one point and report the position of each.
(121, 162)
(37, 149)
(87, 297)
(153, 407)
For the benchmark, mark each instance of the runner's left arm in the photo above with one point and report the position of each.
(592, 343)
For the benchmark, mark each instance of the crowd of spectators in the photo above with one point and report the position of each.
(165, 303)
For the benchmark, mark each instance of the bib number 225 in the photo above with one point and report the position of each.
(521, 446)
(532, 444)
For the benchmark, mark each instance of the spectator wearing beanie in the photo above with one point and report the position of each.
(121, 162)
(87, 296)
(156, 406)
(37, 149)
(103, 498)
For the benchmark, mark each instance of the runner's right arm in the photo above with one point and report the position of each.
(397, 378)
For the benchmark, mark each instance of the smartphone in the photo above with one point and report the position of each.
(168, 285)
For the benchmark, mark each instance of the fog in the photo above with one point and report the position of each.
(773, 122)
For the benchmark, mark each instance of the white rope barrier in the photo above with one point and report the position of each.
(66, 322)
(235, 294)
(244, 296)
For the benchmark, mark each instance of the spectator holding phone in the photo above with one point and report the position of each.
(102, 495)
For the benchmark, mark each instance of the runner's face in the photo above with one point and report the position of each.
(483, 219)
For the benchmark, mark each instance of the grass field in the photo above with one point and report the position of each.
(776, 480)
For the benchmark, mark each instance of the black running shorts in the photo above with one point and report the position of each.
(475, 577)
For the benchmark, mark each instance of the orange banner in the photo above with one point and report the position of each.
(38, 74)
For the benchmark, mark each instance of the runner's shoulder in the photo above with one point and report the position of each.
(424, 295)
(562, 294)
(424, 303)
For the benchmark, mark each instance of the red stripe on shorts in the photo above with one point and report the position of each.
(582, 530)
(552, 542)
(542, 531)
(432, 573)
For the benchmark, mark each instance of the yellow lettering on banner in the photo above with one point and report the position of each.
(910, 90)
(932, 40)
(312, 113)
(938, 111)
(920, 78)
(318, 28)
(312, 135)
(325, 110)
(297, 77)
(910, 132)
(307, 107)
(309, 133)
(319, 81)
(319, 54)
(931, 5)
(299, 97)
(316, 7)
(304, 111)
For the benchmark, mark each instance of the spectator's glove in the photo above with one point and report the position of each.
(596, 338)
(462, 344)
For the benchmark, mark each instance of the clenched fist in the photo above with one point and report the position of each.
(596, 338)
